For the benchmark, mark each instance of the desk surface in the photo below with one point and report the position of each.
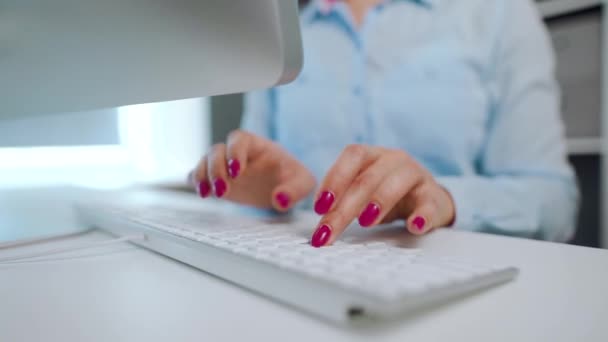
(124, 293)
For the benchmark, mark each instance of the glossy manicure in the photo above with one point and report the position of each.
(204, 189)
(419, 222)
(324, 202)
(220, 187)
(282, 199)
(234, 167)
(321, 236)
(369, 215)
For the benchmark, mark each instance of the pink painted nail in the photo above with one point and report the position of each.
(369, 215)
(234, 167)
(204, 189)
(419, 222)
(282, 199)
(220, 187)
(324, 202)
(321, 236)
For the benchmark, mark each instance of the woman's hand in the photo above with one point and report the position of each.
(379, 185)
(252, 170)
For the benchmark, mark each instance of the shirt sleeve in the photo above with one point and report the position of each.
(525, 186)
(258, 113)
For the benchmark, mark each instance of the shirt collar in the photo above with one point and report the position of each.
(325, 6)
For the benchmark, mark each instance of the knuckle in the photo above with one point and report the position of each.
(285, 173)
(418, 177)
(199, 173)
(235, 136)
(426, 198)
(364, 181)
(217, 167)
(425, 176)
(215, 164)
(338, 219)
(401, 155)
(396, 153)
(356, 150)
(216, 148)
(422, 193)
(421, 178)
(334, 178)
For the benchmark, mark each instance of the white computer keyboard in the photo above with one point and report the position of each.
(348, 279)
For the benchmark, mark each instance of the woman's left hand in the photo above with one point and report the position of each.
(379, 185)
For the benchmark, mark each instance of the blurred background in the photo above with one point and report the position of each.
(159, 142)
(576, 29)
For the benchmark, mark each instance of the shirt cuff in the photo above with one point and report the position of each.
(465, 216)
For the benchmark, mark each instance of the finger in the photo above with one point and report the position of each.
(217, 173)
(199, 178)
(353, 159)
(393, 189)
(241, 147)
(355, 198)
(421, 221)
(426, 213)
(294, 185)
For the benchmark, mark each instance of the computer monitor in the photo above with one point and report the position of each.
(77, 55)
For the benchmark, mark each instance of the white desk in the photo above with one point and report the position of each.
(131, 294)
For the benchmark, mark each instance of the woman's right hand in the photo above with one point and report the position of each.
(254, 171)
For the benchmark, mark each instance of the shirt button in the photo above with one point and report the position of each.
(359, 139)
(357, 91)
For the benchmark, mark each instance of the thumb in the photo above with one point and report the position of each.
(422, 219)
(295, 183)
(431, 212)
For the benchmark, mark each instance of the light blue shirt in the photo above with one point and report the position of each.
(466, 87)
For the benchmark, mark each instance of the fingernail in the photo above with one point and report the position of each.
(204, 189)
(234, 167)
(282, 199)
(369, 215)
(220, 187)
(324, 202)
(419, 222)
(321, 236)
